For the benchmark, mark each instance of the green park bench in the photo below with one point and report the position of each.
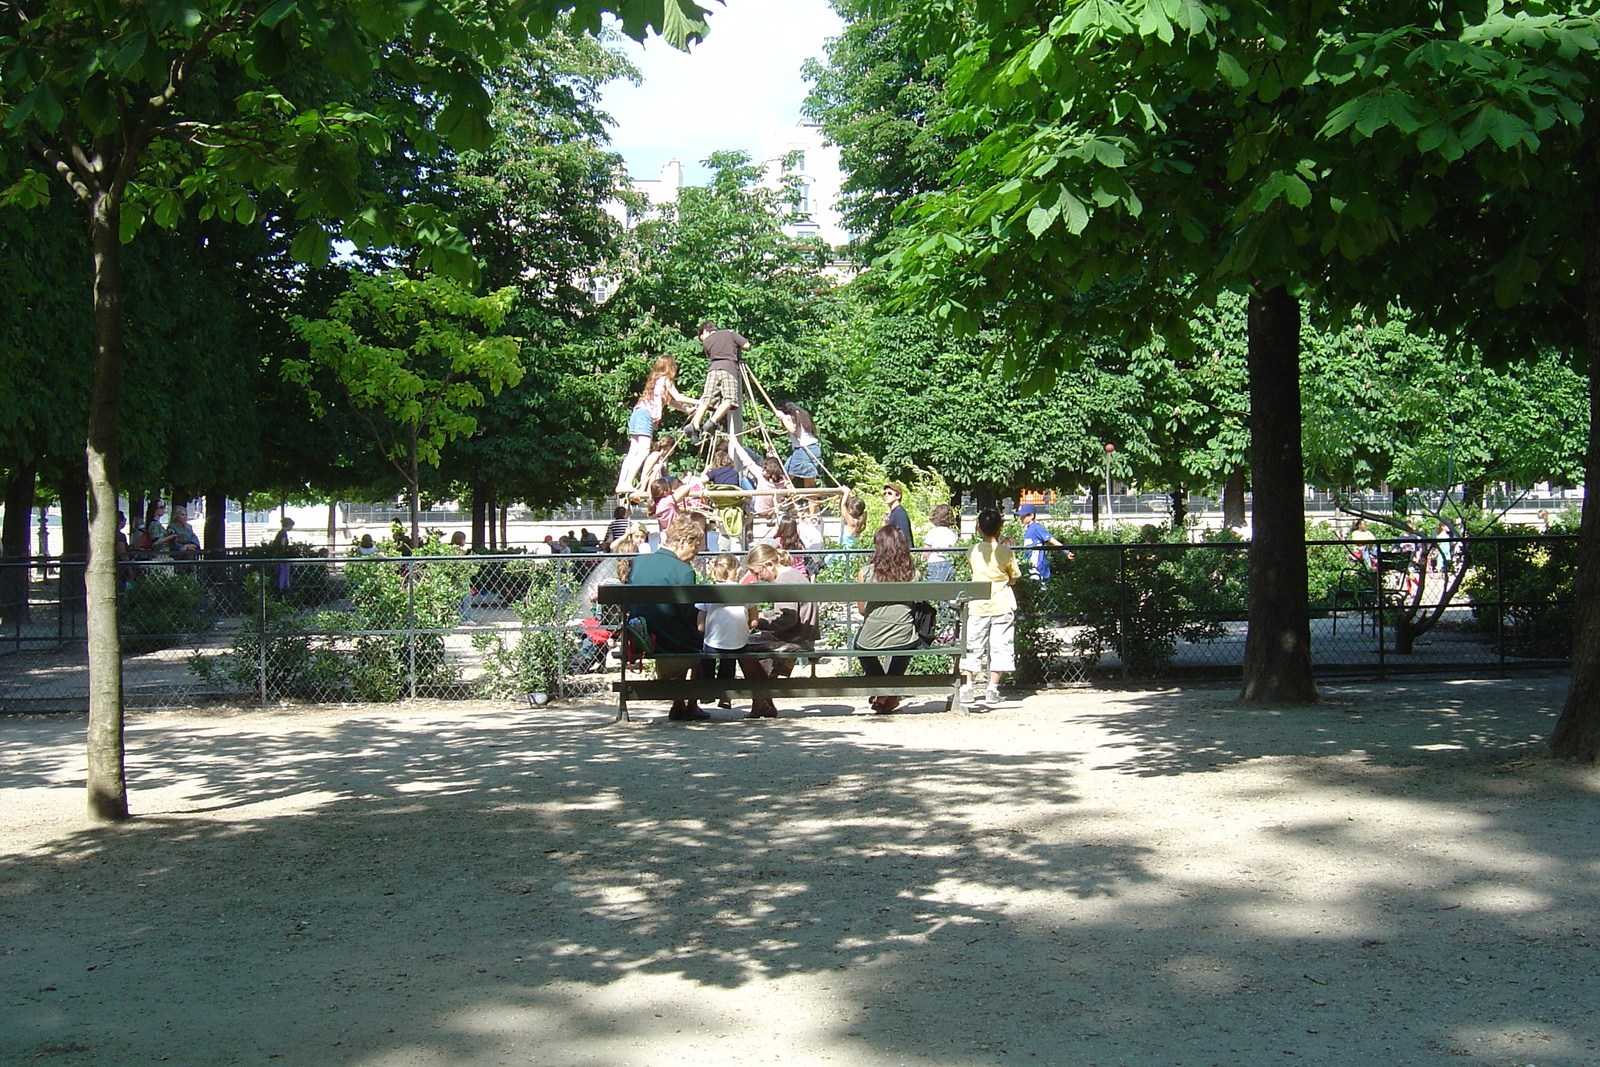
(807, 686)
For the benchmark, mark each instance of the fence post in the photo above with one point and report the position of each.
(1377, 610)
(261, 639)
(411, 626)
(1122, 599)
(1500, 603)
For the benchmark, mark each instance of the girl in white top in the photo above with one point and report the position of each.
(724, 627)
(942, 536)
(660, 389)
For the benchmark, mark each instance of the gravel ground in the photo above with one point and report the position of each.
(1394, 877)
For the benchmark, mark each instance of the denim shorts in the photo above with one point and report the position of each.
(803, 463)
(640, 424)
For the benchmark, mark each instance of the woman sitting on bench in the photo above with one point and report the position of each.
(887, 625)
(785, 627)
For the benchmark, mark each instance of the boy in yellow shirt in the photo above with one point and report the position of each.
(991, 629)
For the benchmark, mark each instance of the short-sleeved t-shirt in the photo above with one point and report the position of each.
(727, 625)
(674, 625)
(939, 537)
(995, 564)
(1035, 534)
(723, 348)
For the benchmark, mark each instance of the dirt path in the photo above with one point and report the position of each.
(1078, 878)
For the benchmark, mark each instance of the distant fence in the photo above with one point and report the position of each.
(450, 626)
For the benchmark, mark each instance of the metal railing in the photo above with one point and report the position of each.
(451, 626)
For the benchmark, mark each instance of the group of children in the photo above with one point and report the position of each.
(726, 627)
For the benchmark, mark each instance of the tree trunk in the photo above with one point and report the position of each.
(14, 608)
(1577, 732)
(107, 783)
(1277, 650)
(1233, 499)
(480, 517)
(333, 527)
(215, 534)
(1180, 508)
(505, 524)
(1094, 505)
(414, 493)
(74, 538)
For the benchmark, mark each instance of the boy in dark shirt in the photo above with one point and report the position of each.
(724, 349)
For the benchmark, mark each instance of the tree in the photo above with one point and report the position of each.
(880, 98)
(1145, 159)
(139, 108)
(406, 355)
(1488, 111)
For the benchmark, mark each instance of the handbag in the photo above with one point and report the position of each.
(924, 619)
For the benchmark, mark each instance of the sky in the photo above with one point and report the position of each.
(728, 93)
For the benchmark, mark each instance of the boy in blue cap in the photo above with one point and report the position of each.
(1035, 536)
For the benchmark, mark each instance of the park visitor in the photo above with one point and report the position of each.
(724, 627)
(892, 495)
(1036, 537)
(942, 536)
(990, 621)
(660, 389)
(673, 628)
(723, 348)
(887, 625)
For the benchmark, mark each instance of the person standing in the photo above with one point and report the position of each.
(942, 536)
(185, 544)
(804, 464)
(281, 544)
(991, 622)
(892, 495)
(724, 627)
(1036, 538)
(725, 350)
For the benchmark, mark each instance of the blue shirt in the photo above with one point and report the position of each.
(1032, 536)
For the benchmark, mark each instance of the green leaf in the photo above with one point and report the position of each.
(278, 12)
(42, 104)
(311, 245)
(1041, 218)
(1231, 71)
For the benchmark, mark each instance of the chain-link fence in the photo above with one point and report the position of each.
(368, 628)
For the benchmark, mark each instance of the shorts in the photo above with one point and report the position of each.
(994, 634)
(720, 385)
(640, 424)
(804, 462)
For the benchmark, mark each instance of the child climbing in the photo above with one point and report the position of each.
(660, 389)
(724, 348)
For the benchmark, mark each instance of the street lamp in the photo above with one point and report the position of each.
(1110, 448)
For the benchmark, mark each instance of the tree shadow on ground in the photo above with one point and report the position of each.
(396, 889)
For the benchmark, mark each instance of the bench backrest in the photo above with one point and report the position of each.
(793, 592)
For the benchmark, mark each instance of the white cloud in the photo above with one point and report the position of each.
(734, 91)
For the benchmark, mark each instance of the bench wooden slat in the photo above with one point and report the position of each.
(792, 592)
(860, 685)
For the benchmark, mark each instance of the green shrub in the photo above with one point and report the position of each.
(1537, 580)
(370, 652)
(1137, 591)
(537, 658)
(161, 605)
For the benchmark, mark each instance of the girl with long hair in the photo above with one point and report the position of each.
(887, 624)
(805, 458)
(660, 390)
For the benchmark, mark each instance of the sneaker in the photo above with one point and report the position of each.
(724, 703)
(967, 695)
(992, 695)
